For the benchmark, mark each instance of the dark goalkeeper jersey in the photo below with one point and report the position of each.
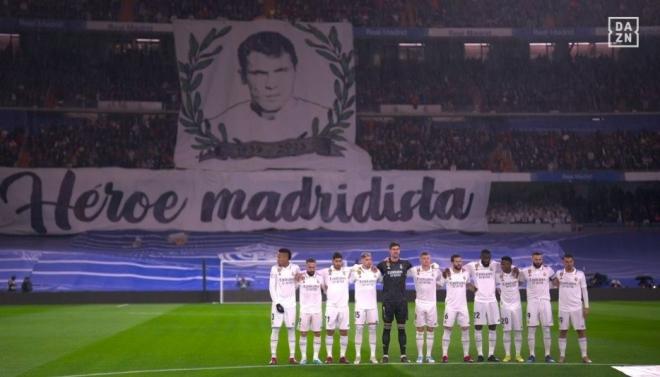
(394, 279)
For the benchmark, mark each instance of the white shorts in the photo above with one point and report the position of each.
(288, 317)
(539, 311)
(426, 315)
(573, 318)
(462, 317)
(309, 321)
(511, 318)
(366, 316)
(336, 318)
(486, 313)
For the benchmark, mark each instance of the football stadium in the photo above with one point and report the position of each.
(318, 188)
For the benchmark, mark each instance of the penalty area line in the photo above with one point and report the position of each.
(237, 367)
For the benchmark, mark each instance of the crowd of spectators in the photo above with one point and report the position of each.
(629, 204)
(81, 70)
(394, 144)
(373, 13)
(620, 204)
(528, 213)
(52, 70)
(129, 141)
(10, 146)
(420, 144)
(506, 83)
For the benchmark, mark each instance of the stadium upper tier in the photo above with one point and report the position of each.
(373, 13)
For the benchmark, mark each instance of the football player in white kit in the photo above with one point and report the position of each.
(572, 296)
(539, 310)
(310, 284)
(282, 287)
(508, 285)
(336, 279)
(486, 311)
(427, 277)
(456, 281)
(365, 276)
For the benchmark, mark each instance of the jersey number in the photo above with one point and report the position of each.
(357, 314)
(476, 315)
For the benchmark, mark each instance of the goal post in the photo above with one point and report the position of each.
(254, 274)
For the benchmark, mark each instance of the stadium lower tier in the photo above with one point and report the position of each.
(140, 261)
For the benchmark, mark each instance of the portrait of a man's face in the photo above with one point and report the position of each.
(268, 67)
(269, 95)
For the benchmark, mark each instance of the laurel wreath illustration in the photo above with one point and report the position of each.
(201, 56)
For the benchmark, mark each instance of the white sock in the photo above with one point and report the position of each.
(274, 335)
(583, 346)
(358, 340)
(292, 341)
(429, 342)
(478, 341)
(517, 336)
(317, 346)
(328, 344)
(492, 340)
(303, 347)
(420, 343)
(465, 339)
(562, 347)
(372, 340)
(343, 344)
(506, 339)
(446, 338)
(547, 340)
(531, 340)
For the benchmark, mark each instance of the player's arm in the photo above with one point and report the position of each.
(553, 278)
(381, 266)
(498, 284)
(473, 277)
(379, 276)
(585, 296)
(272, 286)
(472, 284)
(324, 280)
(352, 276)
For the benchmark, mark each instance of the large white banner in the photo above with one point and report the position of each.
(60, 201)
(266, 95)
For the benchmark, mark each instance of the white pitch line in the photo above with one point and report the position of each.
(233, 367)
(122, 305)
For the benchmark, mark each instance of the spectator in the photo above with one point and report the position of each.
(26, 286)
(11, 284)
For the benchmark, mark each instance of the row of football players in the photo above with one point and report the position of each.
(483, 277)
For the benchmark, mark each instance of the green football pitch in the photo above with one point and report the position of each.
(201, 340)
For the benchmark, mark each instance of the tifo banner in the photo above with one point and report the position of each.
(60, 201)
(266, 95)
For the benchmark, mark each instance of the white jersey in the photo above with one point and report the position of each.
(365, 287)
(336, 282)
(426, 284)
(456, 286)
(570, 289)
(311, 300)
(282, 285)
(484, 279)
(509, 289)
(538, 282)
